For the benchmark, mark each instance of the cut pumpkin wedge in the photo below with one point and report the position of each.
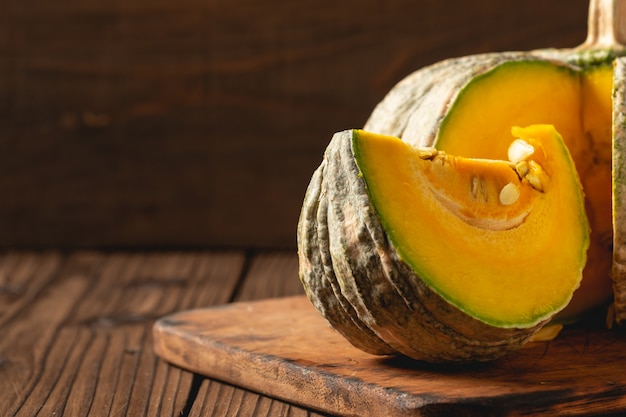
(504, 241)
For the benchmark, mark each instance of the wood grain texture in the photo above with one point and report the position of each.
(199, 123)
(283, 348)
(76, 331)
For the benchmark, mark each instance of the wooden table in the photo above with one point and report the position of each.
(77, 331)
(77, 340)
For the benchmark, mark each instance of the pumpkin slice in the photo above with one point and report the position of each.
(505, 246)
(437, 257)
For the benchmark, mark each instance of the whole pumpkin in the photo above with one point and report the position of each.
(365, 265)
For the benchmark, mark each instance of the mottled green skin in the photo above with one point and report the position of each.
(317, 273)
(619, 190)
(355, 277)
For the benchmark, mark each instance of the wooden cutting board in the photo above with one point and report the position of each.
(284, 349)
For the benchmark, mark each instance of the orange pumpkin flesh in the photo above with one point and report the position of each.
(578, 103)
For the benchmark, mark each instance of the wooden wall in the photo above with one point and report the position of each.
(197, 123)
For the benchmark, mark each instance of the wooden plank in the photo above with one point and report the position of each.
(77, 335)
(23, 277)
(198, 123)
(284, 348)
(28, 336)
(269, 274)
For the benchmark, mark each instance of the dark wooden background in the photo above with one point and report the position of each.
(197, 123)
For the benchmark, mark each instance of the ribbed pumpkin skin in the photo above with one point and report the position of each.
(316, 269)
(354, 276)
(619, 191)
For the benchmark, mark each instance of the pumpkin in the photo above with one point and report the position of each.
(457, 242)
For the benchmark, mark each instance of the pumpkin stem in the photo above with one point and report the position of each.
(606, 24)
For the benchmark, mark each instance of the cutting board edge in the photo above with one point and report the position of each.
(304, 390)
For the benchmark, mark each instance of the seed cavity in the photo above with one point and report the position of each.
(527, 169)
(520, 150)
(509, 194)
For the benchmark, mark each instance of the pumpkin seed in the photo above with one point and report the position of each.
(509, 194)
(535, 176)
(520, 150)
(534, 180)
(521, 168)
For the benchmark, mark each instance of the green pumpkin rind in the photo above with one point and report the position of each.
(384, 292)
(619, 190)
